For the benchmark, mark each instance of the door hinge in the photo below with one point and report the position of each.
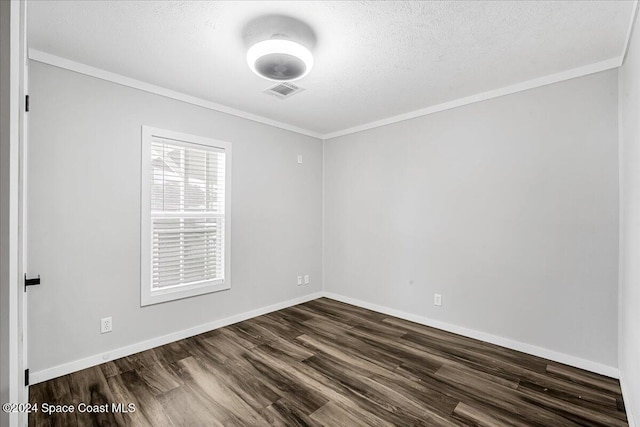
(26, 103)
(30, 282)
(26, 377)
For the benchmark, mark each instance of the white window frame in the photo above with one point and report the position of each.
(148, 296)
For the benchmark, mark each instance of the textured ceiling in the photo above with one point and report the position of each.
(373, 60)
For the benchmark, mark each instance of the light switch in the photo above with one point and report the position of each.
(437, 299)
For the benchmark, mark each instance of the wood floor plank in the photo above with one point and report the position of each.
(185, 407)
(503, 397)
(469, 344)
(583, 377)
(228, 406)
(300, 394)
(224, 348)
(460, 393)
(89, 387)
(327, 363)
(341, 307)
(474, 359)
(361, 349)
(398, 349)
(479, 417)
(570, 391)
(329, 388)
(291, 314)
(347, 320)
(362, 370)
(291, 349)
(579, 414)
(331, 414)
(326, 325)
(110, 369)
(55, 392)
(243, 380)
(284, 329)
(284, 414)
(471, 374)
(127, 388)
(173, 352)
(383, 401)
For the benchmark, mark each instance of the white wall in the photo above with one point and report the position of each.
(5, 308)
(629, 338)
(84, 215)
(507, 207)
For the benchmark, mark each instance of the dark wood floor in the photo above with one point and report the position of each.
(333, 364)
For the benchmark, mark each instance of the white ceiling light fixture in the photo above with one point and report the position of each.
(279, 59)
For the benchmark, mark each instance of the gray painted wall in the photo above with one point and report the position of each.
(629, 327)
(84, 215)
(507, 207)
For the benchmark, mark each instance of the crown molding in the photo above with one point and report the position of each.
(495, 93)
(78, 67)
(57, 61)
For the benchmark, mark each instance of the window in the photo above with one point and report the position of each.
(186, 181)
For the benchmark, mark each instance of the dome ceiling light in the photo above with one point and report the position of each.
(279, 47)
(280, 59)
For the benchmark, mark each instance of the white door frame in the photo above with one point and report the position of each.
(12, 344)
(23, 361)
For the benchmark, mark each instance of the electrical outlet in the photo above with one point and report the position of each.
(299, 159)
(306, 279)
(299, 280)
(437, 299)
(105, 325)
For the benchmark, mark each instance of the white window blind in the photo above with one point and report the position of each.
(187, 213)
(187, 216)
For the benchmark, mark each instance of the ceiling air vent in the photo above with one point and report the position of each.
(283, 90)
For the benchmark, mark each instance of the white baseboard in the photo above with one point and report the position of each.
(97, 359)
(627, 401)
(566, 359)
